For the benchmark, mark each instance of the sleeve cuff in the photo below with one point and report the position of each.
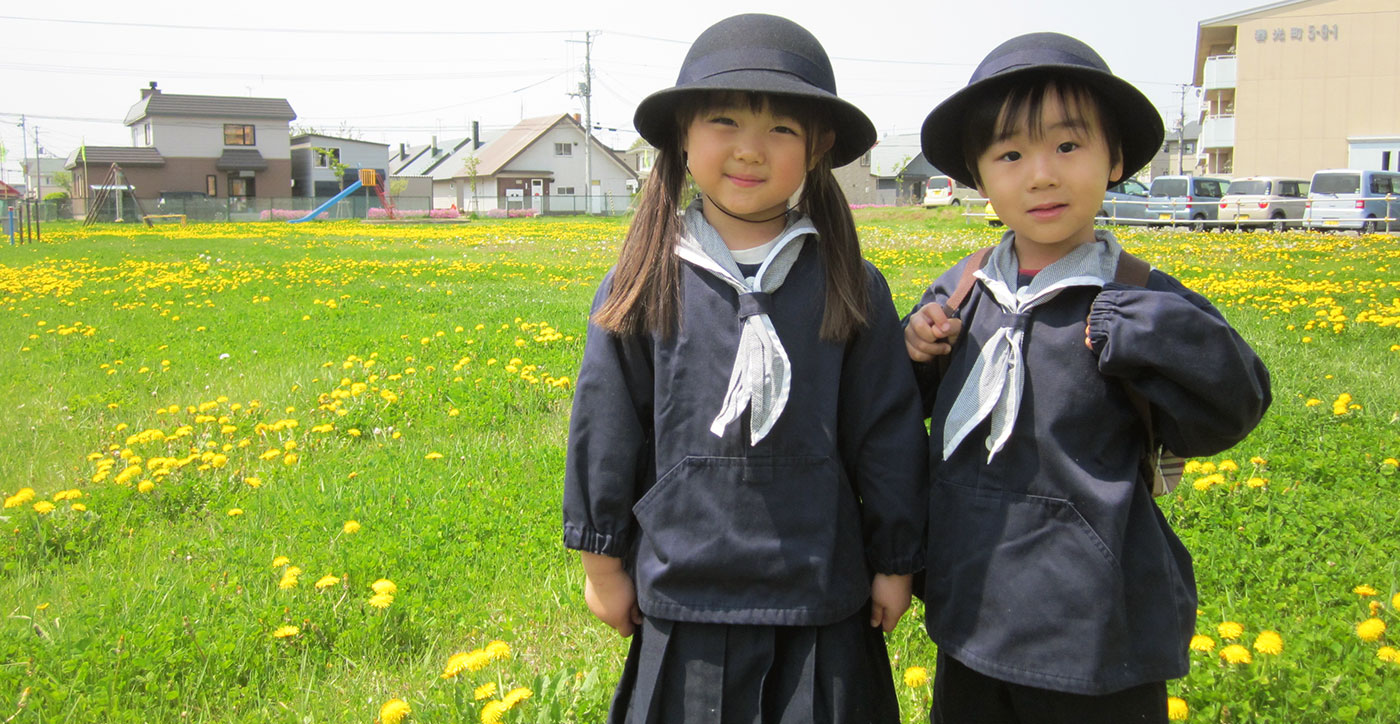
(901, 566)
(592, 541)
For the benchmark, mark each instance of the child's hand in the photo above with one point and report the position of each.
(1087, 342)
(610, 595)
(930, 333)
(889, 599)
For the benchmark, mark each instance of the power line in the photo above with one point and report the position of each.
(307, 31)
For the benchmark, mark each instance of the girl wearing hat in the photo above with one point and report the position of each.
(1057, 593)
(745, 473)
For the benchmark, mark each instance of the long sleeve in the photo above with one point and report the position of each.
(1206, 386)
(929, 374)
(884, 443)
(609, 453)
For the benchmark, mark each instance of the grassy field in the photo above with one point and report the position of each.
(272, 473)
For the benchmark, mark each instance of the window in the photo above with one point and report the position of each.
(563, 190)
(211, 185)
(1189, 147)
(147, 128)
(885, 184)
(865, 160)
(238, 134)
(563, 149)
(326, 156)
(240, 188)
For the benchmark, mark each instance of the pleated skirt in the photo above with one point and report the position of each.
(694, 673)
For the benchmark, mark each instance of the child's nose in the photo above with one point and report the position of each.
(748, 148)
(1043, 171)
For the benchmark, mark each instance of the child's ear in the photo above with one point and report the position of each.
(825, 141)
(1115, 174)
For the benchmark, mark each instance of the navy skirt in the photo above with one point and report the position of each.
(697, 673)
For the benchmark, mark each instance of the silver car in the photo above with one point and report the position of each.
(1264, 201)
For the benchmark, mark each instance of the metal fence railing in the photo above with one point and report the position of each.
(360, 205)
(1371, 214)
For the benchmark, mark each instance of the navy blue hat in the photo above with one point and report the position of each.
(1139, 123)
(766, 54)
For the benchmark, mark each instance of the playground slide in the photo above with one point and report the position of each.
(334, 199)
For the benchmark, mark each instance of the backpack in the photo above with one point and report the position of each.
(1159, 466)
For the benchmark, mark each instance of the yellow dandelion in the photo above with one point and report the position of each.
(294, 571)
(326, 582)
(1392, 462)
(43, 507)
(1257, 482)
(79, 507)
(498, 650)
(253, 482)
(493, 712)
(288, 581)
(20, 498)
(381, 600)
(1388, 654)
(1228, 466)
(145, 486)
(289, 459)
(433, 456)
(485, 691)
(235, 512)
(915, 676)
(351, 526)
(72, 494)
(1236, 654)
(1258, 460)
(456, 664)
(1191, 467)
(280, 561)
(1202, 643)
(1370, 629)
(1313, 402)
(283, 632)
(1364, 590)
(1230, 630)
(477, 660)
(385, 586)
(1374, 607)
(394, 711)
(1177, 709)
(1269, 642)
(516, 696)
(1395, 602)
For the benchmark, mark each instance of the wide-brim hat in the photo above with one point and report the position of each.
(766, 54)
(1139, 123)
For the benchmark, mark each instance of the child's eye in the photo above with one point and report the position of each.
(786, 129)
(1068, 146)
(723, 120)
(1010, 156)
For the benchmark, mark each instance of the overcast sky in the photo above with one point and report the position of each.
(410, 69)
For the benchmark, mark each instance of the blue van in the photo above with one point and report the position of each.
(1193, 200)
(1349, 198)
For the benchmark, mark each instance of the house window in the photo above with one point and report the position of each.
(211, 185)
(147, 127)
(563, 190)
(865, 160)
(885, 184)
(327, 156)
(240, 188)
(239, 134)
(563, 149)
(1189, 147)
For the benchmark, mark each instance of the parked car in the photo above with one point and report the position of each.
(1264, 201)
(1125, 203)
(944, 191)
(1179, 200)
(1348, 198)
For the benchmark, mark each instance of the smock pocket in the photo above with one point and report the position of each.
(1022, 583)
(730, 534)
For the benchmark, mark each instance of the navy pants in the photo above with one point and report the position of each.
(963, 696)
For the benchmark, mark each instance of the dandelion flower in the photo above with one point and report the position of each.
(1395, 602)
(294, 571)
(394, 711)
(351, 526)
(1313, 402)
(456, 664)
(20, 498)
(253, 482)
(1230, 630)
(1202, 643)
(384, 585)
(326, 582)
(43, 507)
(485, 691)
(79, 507)
(493, 712)
(498, 650)
(915, 676)
(1374, 607)
(1257, 482)
(1229, 466)
(288, 581)
(381, 600)
(1258, 460)
(1269, 642)
(283, 632)
(1364, 590)
(280, 561)
(433, 456)
(1236, 654)
(516, 696)
(477, 660)
(1388, 654)
(1177, 709)
(145, 486)
(1370, 629)
(235, 512)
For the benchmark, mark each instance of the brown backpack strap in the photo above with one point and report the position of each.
(1131, 270)
(976, 260)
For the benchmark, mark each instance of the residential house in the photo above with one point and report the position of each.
(640, 158)
(538, 164)
(891, 173)
(40, 176)
(315, 157)
(228, 147)
(1180, 153)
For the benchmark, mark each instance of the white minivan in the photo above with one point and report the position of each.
(1350, 198)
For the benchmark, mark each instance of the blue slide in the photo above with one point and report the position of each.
(352, 188)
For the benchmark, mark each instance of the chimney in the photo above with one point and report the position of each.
(577, 120)
(403, 151)
(476, 135)
(434, 147)
(148, 92)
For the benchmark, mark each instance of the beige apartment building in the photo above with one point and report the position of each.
(1293, 87)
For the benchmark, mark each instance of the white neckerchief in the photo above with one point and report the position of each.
(993, 387)
(761, 376)
(756, 255)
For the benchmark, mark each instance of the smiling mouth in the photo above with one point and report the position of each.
(1047, 209)
(745, 181)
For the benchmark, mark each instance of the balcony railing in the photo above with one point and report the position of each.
(1218, 132)
(1219, 72)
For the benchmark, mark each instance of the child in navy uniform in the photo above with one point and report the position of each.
(1056, 590)
(746, 477)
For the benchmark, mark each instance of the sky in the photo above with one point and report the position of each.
(405, 71)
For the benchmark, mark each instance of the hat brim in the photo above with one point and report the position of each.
(855, 134)
(1139, 123)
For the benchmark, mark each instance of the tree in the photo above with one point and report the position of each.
(332, 157)
(470, 166)
(64, 180)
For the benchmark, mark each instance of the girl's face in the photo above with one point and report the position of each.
(749, 162)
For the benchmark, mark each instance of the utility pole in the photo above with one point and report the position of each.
(38, 172)
(1181, 130)
(585, 90)
(24, 160)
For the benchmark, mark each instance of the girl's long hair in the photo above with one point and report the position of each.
(646, 285)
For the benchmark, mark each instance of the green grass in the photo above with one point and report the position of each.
(160, 606)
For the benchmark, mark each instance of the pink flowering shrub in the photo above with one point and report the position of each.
(512, 213)
(416, 214)
(872, 206)
(288, 214)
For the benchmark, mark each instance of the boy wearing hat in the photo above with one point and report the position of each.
(1056, 590)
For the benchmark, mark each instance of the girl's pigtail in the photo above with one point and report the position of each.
(645, 294)
(847, 296)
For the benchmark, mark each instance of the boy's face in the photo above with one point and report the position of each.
(1049, 189)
